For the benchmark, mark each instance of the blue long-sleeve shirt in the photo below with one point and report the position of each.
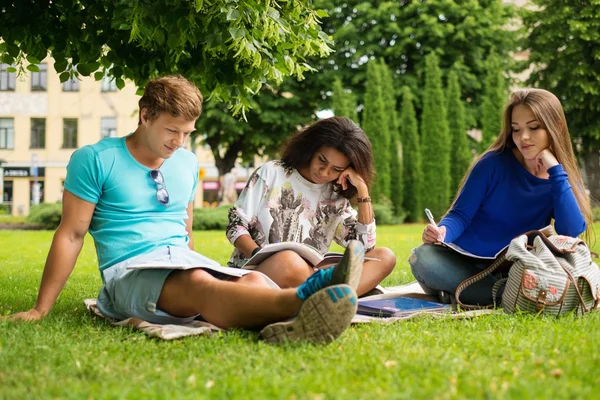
(501, 200)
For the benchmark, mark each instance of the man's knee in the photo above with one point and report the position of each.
(198, 276)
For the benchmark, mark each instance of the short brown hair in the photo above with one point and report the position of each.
(173, 94)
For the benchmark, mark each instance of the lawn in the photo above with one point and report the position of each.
(72, 355)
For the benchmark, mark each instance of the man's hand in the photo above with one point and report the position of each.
(31, 315)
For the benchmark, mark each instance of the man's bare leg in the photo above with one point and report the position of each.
(325, 303)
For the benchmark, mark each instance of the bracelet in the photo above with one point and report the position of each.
(363, 199)
(256, 250)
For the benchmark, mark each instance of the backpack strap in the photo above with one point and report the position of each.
(500, 263)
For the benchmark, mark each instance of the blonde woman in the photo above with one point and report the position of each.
(524, 180)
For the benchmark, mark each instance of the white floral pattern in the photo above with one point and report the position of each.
(278, 205)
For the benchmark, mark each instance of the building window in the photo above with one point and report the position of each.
(38, 133)
(7, 133)
(108, 127)
(7, 79)
(69, 133)
(38, 79)
(109, 84)
(72, 85)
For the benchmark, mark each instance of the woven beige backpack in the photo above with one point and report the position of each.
(554, 275)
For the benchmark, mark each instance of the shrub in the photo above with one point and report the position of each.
(211, 218)
(46, 215)
(384, 215)
(3, 209)
(596, 213)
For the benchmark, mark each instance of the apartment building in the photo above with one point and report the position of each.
(42, 121)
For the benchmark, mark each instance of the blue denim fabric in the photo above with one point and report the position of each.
(134, 292)
(438, 268)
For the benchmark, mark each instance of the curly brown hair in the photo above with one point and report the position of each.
(339, 133)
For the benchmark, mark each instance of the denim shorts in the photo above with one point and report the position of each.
(134, 292)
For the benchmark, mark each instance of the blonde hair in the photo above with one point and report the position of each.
(172, 94)
(549, 112)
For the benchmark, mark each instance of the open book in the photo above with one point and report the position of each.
(399, 306)
(548, 230)
(464, 252)
(217, 268)
(307, 252)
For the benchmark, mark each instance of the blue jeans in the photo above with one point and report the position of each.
(439, 268)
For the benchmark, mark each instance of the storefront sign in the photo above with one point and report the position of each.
(240, 185)
(210, 185)
(22, 172)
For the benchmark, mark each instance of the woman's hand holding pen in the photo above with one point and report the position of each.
(433, 234)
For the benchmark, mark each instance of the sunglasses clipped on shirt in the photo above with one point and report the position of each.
(161, 188)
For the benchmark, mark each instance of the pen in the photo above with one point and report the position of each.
(430, 216)
(432, 221)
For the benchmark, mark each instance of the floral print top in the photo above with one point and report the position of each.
(278, 204)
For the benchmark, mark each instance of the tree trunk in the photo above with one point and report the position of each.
(227, 162)
(591, 175)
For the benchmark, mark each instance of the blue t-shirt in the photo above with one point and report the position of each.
(128, 219)
(501, 200)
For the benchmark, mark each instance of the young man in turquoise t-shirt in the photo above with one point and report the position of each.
(135, 197)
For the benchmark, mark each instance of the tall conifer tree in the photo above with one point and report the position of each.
(395, 148)
(435, 142)
(460, 156)
(411, 160)
(343, 103)
(375, 125)
(494, 97)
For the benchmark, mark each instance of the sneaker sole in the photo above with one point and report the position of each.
(353, 260)
(322, 318)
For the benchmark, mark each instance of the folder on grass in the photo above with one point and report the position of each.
(399, 306)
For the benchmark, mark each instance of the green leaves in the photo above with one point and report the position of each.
(233, 15)
(564, 39)
(33, 60)
(60, 65)
(33, 68)
(87, 69)
(237, 33)
(435, 140)
(229, 49)
(12, 49)
(64, 76)
(322, 14)
(403, 32)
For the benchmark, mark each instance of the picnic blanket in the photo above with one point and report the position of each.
(196, 328)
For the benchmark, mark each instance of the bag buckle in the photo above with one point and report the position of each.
(541, 300)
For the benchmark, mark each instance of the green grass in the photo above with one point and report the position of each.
(72, 355)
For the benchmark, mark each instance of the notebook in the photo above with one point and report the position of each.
(399, 306)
